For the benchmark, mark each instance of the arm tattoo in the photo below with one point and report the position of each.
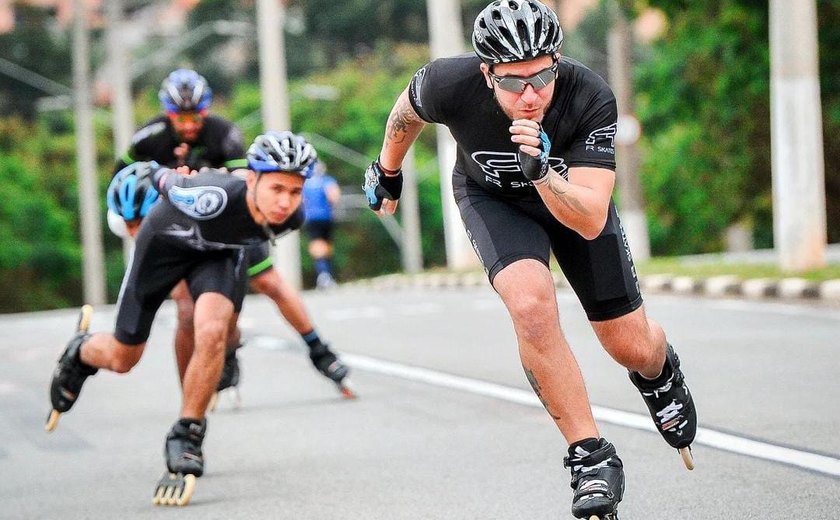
(560, 188)
(536, 386)
(401, 117)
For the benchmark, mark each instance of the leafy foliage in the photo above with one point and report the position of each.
(703, 99)
(35, 271)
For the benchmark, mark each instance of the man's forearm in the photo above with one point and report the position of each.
(402, 129)
(577, 207)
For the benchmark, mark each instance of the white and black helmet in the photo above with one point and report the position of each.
(281, 152)
(516, 30)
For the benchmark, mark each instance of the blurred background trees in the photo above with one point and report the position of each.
(702, 96)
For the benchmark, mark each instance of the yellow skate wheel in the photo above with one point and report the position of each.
(187, 492)
(594, 517)
(84, 318)
(52, 420)
(687, 458)
(156, 500)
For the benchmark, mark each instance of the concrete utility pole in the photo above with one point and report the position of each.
(620, 50)
(93, 265)
(411, 248)
(799, 214)
(275, 113)
(447, 39)
(122, 112)
(121, 108)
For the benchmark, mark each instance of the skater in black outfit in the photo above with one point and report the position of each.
(198, 234)
(187, 134)
(534, 173)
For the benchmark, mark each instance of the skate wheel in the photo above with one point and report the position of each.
(52, 420)
(186, 493)
(84, 318)
(687, 457)
(214, 400)
(594, 517)
(346, 390)
(237, 398)
(174, 490)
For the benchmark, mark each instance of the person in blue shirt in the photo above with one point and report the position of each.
(321, 194)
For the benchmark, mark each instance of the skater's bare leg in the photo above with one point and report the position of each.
(103, 350)
(635, 341)
(287, 299)
(527, 289)
(185, 331)
(234, 339)
(213, 313)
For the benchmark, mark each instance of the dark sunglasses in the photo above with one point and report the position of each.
(517, 84)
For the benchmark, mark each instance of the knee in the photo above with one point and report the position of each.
(271, 287)
(212, 335)
(534, 318)
(633, 351)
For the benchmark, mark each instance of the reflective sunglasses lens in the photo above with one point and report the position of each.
(515, 85)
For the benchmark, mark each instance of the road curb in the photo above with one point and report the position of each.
(716, 286)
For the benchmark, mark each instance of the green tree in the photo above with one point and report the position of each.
(703, 99)
(40, 260)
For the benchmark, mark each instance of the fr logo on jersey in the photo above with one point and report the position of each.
(502, 168)
(201, 202)
(597, 140)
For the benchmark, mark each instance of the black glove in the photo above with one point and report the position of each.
(535, 168)
(379, 186)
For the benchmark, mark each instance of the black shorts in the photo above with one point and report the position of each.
(319, 229)
(258, 259)
(157, 265)
(502, 231)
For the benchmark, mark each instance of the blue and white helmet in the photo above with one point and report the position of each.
(281, 152)
(185, 90)
(131, 194)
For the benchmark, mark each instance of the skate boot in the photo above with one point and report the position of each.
(184, 462)
(228, 379)
(326, 362)
(597, 478)
(670, 405)
(70, 373)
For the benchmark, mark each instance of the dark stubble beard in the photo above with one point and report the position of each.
(509, 114)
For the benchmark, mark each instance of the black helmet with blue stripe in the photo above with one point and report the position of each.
(281, 152)
(131, 194)
(185, 90)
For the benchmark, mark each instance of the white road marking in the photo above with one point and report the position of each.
(705, 436)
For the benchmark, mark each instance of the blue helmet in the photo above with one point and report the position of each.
(131, 194)
(185, 90)
(281, 152)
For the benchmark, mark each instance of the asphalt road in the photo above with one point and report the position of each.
(445, 427)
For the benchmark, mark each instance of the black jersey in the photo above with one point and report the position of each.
(208, 211)
(219, 144)
(580, 122)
